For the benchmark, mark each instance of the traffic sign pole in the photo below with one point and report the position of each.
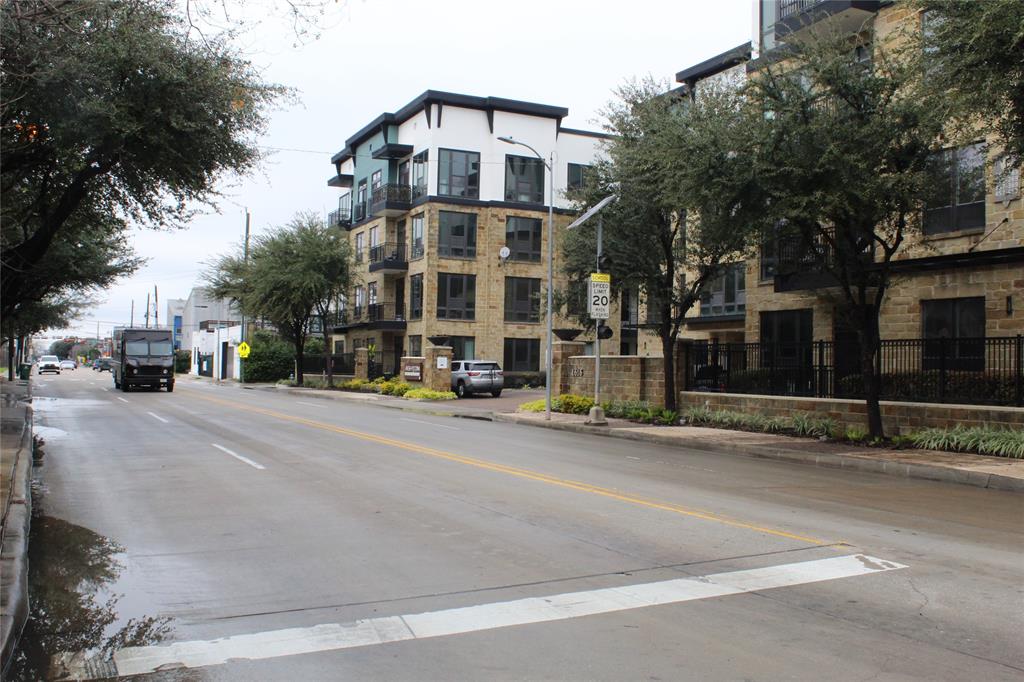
(596, 416)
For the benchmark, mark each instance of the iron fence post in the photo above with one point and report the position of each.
(943, 349)
(1019, 370)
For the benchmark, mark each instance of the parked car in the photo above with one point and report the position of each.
(68, 364)
(106, 365)
(95, 364)
(477, 376)
(49, 363)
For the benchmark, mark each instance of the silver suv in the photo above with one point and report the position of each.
(477, 376)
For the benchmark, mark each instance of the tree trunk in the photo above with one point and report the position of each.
(667, 343)
(10, 359)
(299, 357)
(327, 355)
(869, 377)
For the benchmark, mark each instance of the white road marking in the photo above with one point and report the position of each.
(299, 402)
(156, 416)
(631, 457)
(335, 636)
(105, 388)
(123, 400)
(440, 426)
(238, 456)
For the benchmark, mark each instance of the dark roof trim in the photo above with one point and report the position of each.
(587, 133)
(716, 320)
(423, 102)
(965, 259)
(717, 64)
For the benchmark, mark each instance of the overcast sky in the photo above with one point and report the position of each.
(377, 55)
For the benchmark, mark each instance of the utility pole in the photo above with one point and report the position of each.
(147, 310)
(245, 257)
(132, 323)
(156, 308)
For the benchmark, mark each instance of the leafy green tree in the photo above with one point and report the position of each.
(972, 55)
(848, 167)
(292, 274)
(688, 204)
(111, 117)
(61, 348)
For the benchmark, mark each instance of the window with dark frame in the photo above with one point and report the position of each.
(375, 180)
(419, 175)
(404, 178)
(577, 177)
(522, 355)
(463, 347)
(456, 296)
(727, 294)
(417, 236)
(522, 299)
(523, 238)
(359, 246)
(415, 346)
(954, 333)
(456, 234)
(524, 179)
(416, 297)
(458, 173)
(360, 207)
(958, 199)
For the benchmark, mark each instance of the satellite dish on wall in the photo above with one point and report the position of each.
(504, 253)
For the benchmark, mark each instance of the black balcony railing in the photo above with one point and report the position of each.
(342, 363)
(389, 254)
(983, 371)
(382, 315)
(390, 197)
(791, 8)
(342, 217)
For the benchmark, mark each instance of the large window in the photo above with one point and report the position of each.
(524, 179)
(360, 302)
(577, 175)
(360, 244)
(727, 294)
(404, 179)
(419, 175)
(463, 347)
(522, 355)
(416, 297)
(371, 293)
(415, 345)
(375, 181)
(522, 299)
(456, 236)
(360, 207)
(962, 319)
(456, 296)
(787, 327)
(458, 173)
(522, 237)
(958, 199)
(417, 236)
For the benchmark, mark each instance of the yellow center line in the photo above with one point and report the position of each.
(521, 473)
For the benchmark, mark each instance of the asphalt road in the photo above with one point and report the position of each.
(269, 537)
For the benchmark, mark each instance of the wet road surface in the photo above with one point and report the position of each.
(248, 536)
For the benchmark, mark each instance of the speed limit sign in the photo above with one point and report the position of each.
(599, 296)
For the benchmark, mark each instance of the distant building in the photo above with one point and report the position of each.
(175, 318)
(200, 312)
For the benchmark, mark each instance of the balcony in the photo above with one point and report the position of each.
(388, 258)
(799, 265)
(383, 315)
(390, 200)
(340, 218)
(797, 18)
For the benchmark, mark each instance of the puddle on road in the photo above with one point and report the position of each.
(48, 433)
(42, 404)
(74, 575)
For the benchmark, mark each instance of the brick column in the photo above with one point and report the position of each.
(362, 364)
(438, 379)
(560, 352)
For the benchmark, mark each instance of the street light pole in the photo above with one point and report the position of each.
(548, 359)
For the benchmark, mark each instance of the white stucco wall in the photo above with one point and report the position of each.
(211, 341)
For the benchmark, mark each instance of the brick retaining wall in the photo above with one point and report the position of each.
(623, 377)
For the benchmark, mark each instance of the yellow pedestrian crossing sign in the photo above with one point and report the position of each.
(243, 350)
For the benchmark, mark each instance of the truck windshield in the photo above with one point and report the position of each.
(147, 348)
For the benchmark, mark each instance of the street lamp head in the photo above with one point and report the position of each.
(507, 139)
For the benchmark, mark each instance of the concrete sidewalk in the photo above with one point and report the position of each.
(16, 506)
(1000, 473)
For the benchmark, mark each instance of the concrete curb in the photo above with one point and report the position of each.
(14, 551)
(835, 461)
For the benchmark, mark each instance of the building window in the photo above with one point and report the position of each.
(419, 175)
(375, 181)
(417, 236)
(371, 290)
(339, 347)
(577, 175)
(524, 179)
(458, 173)
(359, 246)
(522, 237)
(373, 237)
(404, 178)
(360, 208)
(456, 236)
(522, 299)
(360, 302)
(727, 294)
(456, 296)
(522, 355)
(629, 307)
(415, 345)
(416, 297)
(787, 327)
(463, 347)
(958, 199)
(963, 321)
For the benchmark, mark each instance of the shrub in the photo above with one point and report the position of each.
(399, 389)
(569, 403)
(855, 435)
(314, 381)
(378, 381)
(182, 361)
(533, 406)
(776, 425)
(353, 384)
(979, 439)
(813, 427)
(270, 358)
(427, 394)
(620, 409)
(668, 418)
(900, 442)
(697, 415)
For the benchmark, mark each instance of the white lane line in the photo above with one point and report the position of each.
(299, 402)
(123, 400)
(335, 636)
(105, 388)
(238, 456)
(440, 426)
(156, 416)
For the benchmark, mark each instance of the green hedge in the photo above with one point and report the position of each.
(270, 359)
(961, 386)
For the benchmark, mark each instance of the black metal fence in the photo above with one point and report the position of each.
(342, 363)
(384, 363)
(983, 371)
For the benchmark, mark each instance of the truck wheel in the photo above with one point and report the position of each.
(170, 387)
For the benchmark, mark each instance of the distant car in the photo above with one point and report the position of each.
(95, 364)
(49, 363)
(68, 364)
(477, 376)
(106, 365)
